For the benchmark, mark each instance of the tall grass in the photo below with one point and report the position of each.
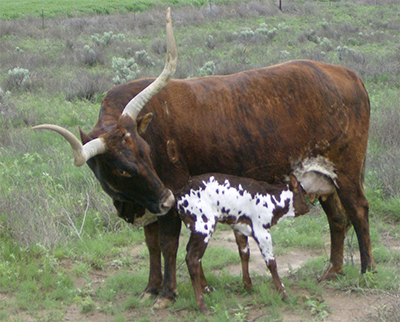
(57, 217)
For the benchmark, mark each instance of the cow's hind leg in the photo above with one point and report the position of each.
(155, 276)
(352, 197)
(244, 252)
(195, 251)
(338, 225)
(169, 230)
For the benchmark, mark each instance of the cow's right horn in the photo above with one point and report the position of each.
(136, 104)
(81, 153)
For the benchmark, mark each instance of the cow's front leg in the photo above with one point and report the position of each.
(169, 230)
(155, 276)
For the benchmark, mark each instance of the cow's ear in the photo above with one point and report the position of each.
(84, 137)
(143, 122)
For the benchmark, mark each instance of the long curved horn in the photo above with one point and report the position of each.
(136, 104)
(81, 153)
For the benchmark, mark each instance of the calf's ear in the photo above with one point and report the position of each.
(143, 122)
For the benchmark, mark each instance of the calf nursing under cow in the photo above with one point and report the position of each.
(250, 207)
(152, 135)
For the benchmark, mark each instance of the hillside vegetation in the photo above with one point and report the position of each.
(58, 229)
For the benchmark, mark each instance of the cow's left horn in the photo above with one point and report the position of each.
(81, 153)
(136, 104)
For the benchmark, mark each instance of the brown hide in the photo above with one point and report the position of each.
(255, 123)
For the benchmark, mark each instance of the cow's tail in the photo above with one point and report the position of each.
(363, 169)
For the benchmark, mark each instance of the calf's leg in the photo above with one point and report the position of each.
(264, 240)
(195, 251)
(244, 252)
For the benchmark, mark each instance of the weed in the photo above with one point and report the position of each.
(317, 307)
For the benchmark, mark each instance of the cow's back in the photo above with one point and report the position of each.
(257, 123)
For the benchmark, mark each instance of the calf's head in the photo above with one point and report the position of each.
(120, 158)
(299, 197)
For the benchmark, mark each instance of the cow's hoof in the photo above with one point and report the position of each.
(162, 303)
(147, 296)
(330, 274)
(204, 310)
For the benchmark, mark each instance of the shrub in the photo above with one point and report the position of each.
(384, 148)
(349, 54)
(142, 58)
(159, 46)
(125, 70)
(244, 34)
(90, 56)
(207, 70)
(210, 42)
(86, 85)
(18, 78)
(107, 38)
(311, 36)
(326, 44)
(7, 108)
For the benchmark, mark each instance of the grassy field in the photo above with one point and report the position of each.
(64, 254)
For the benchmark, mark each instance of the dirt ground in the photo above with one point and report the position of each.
(371, 306)
(343, 306)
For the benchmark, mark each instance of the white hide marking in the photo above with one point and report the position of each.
(218, 201)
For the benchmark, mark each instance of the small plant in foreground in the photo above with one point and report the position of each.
(317, 307)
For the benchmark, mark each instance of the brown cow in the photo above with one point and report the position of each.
(257, 123)
(248, 206)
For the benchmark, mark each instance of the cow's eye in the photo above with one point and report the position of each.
(123, 173)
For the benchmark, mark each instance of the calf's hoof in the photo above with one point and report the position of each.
(208, 290)
(285, 297)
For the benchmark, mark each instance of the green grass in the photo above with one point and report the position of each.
(72, 8)
(61, 243)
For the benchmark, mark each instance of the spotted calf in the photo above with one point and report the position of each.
(250, 207)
